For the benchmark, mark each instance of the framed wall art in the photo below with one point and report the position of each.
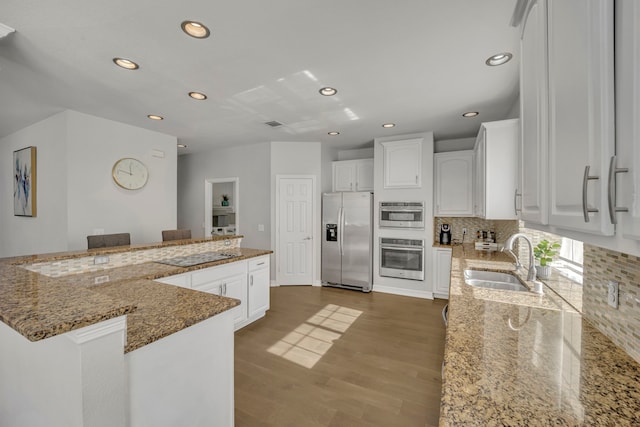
(24, 182)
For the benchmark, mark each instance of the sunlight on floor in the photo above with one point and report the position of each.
(308, 342)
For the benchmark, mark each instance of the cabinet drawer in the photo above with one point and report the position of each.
(215, 273)
(260, 262)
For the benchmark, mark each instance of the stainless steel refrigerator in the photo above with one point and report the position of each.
(347, 240)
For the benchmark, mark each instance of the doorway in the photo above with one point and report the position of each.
(221, 206)
(296, 232)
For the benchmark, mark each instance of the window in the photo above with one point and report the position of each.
(569, 262)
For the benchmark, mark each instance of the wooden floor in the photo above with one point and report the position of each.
(334, 357)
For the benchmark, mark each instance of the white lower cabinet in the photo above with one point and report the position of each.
(245, 280)
(441, 272)
(259, 276)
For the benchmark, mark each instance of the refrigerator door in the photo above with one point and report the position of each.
(331, 238)
(357, 239)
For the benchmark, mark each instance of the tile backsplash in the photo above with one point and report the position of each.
(621, 325)
(64, 267)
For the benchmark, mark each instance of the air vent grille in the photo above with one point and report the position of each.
(273, 124)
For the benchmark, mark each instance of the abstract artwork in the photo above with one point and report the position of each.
(24, 182)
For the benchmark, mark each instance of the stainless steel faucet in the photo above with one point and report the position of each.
(508, 246)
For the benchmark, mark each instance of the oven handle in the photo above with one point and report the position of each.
(341, 229)
(403, 248)
(382, 209)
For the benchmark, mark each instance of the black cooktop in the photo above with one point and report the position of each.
(195, 259)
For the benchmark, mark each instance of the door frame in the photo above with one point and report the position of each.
(208, 202)
(314, 225)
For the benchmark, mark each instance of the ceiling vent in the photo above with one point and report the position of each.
(273, 124)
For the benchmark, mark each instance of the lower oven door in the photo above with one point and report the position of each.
(405, 262)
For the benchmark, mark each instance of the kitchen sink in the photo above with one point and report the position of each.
(493, 280)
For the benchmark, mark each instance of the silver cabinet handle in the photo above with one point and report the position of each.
(585, 179)
(261, 263)
(611, 195)
(306, 238)
(416, 179)
(251, 280)
(515, 202)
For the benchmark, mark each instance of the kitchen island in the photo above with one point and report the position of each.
(523, 359)
(92, 344)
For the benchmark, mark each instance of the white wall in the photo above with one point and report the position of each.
(298, 158)
(360, 153)
(250, 163)
(76, 193)
(95, 202)
(459, 144)
(47, 232)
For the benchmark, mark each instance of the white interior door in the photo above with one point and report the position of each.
(295, 230)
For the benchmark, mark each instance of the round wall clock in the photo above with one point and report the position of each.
(130, 174)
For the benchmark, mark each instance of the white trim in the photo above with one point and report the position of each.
(208, 202)
(314, 220)
(99, 330)
(403, 292)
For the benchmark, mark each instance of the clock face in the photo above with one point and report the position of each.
(130, 174)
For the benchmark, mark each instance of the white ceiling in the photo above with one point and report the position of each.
(417, 63)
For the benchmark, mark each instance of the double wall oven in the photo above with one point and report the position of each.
(400, 256)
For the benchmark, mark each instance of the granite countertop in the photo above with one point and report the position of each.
(522, 359)
(38, 307)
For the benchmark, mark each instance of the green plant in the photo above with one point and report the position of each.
(225, 197)
(545, 251)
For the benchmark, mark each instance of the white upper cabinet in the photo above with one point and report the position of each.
(496, 169)
(581, 113)
(627, 121)
(453, 176)
(402, 163)
(353, 175)
(533, 113)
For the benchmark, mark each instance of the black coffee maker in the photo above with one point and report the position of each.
(445, 234)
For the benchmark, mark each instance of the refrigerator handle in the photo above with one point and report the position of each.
(341, 229)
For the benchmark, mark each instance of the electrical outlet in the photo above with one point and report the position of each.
(101, 259)
(464, 231)
(612, 294)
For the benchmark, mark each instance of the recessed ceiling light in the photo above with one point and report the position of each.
(470, 114)
(126, 63)
(499, 59)
(328, 91)
(334, 133)
(155, 117)
(195, 29)
(388, 125)
(182, 145)
(197, 95)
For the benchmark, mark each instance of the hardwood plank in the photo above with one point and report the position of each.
(334, 357)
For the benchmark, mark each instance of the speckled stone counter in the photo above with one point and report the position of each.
(521, 359)
(39, 307)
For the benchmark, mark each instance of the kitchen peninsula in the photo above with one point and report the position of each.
(90, 338)
(519, 358)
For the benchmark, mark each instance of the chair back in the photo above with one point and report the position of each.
(176, 234)
(108, 240)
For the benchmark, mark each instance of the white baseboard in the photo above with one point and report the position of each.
(403, 292)
(273, 284)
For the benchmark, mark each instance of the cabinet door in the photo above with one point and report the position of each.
(581, 119)
(402, 163)
(532, 158)
(454, 183)
(479, 174)
(258, 291)
(364, 175)
(344, 176)
(628, 115)
(500, 150)
(236, 287)
(442, 272)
